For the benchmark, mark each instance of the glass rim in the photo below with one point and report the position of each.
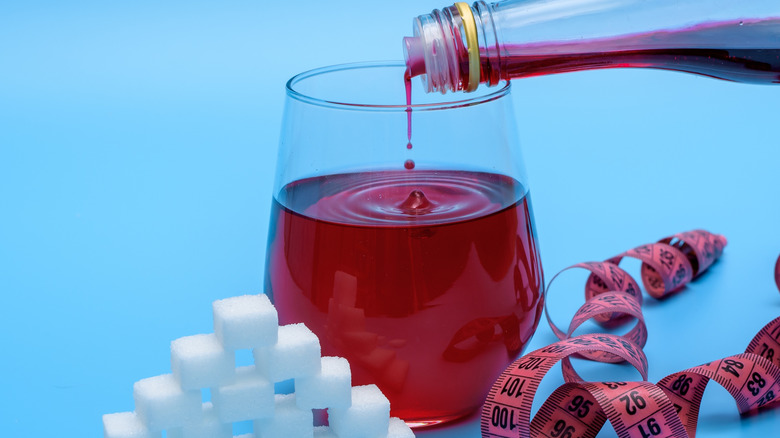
(292, 92)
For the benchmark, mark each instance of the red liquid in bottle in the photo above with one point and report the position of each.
(740, 51)
(428, 282)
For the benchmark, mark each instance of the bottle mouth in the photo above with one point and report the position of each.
(378, 86)
(430, 55)
(442, 40)
(414, 53)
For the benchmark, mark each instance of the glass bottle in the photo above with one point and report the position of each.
(461, 46)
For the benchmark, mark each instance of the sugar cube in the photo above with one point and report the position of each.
(360, 342)
(249, 397)
(344, 318)
(368, 417)
(331, 387)
(324, 432)
(245, 322)
(378, 359)
(161, 403)
(345, 288)
(399, 429)
(200, 361)
(125, 425)
(394, 375)
(289, 421)
(209, 426)
(295, 354)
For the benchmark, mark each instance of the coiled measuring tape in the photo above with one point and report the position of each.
(638, 409)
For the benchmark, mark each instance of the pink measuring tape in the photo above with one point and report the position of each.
(670, 408)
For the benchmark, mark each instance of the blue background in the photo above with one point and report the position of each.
(137, 151)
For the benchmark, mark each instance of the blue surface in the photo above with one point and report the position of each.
(137, 148)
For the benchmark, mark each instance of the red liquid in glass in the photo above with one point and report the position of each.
(428, 282)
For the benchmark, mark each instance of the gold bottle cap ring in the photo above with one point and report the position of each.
(472, 44)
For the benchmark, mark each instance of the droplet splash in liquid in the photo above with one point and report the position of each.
(416, 203)
(377, 198)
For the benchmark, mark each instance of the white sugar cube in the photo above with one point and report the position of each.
(394, 375)
(161, 403)
(244, 322)
(295, 354)
(249, 397)
(329, 388)
(125, 425)
(399, 429)
(200, 361)
(345, 288)
(324, 432)
(209, 426)
(368, 417)
(360, 342)
(289, 421)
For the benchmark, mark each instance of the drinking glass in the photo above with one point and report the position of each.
(415, 260)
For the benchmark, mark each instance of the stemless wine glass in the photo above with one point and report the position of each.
(417, 261)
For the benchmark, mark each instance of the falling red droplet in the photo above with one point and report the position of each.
(409, 145)
(409, 164)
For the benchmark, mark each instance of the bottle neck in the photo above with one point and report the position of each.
(454, 48)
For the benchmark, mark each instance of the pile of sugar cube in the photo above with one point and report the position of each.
(173, 402)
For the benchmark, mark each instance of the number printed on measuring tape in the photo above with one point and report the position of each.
(639, 409)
